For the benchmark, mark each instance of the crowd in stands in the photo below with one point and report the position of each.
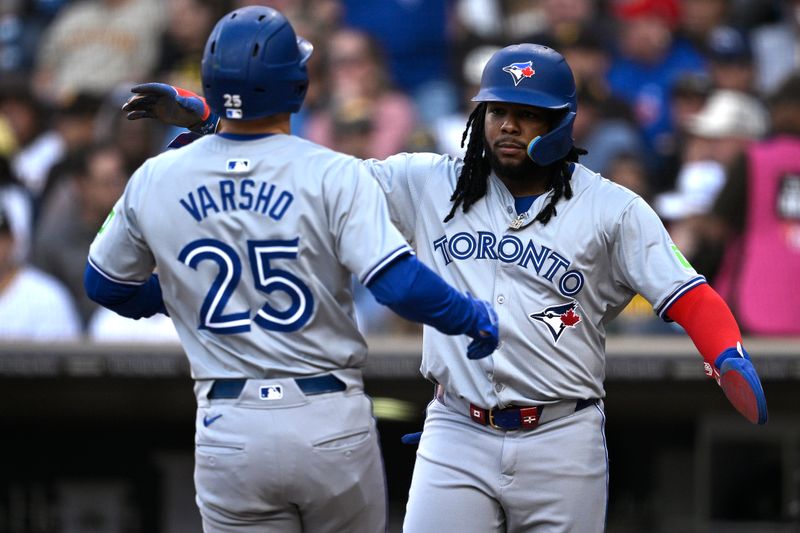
(693, 104)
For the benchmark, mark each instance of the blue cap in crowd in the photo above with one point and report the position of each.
(729, 45)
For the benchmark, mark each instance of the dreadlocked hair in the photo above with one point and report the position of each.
(472, 182)
(559, 181)
(471, 185)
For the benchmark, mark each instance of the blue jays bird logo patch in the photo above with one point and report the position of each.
(520, 71)
(558, 318)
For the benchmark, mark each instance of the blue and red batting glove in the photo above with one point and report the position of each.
(739, 381)
(171, 105)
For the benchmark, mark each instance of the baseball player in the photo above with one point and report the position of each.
(256, 234)
(516, 442)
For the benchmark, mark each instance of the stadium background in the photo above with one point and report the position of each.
(97, 412)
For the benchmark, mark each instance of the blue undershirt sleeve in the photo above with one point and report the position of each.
(132, 301)
(416, 293)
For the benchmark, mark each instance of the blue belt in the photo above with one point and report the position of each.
(226, 389)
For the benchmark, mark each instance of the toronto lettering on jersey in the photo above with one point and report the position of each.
(232, 195)
(511, 249)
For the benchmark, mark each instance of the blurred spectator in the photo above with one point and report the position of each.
(605, 125)
(757, 214)
(21, 113)
(688, 95)
(414, 36)
(649, 59)
(604, 128)
(359, 83)
(628, 170)
(448, 129)
(15, 203)
(352, 127)
(107, 326)
(33, 305)
(72, 129)
(721, 132)
(498, 21)
(777, 48)
(21, 25)
(73, 215)
(564, 20)
(728, 122)
(731, 60)
(94, 44)
(181, 49)
(587, 55)
(699, 18)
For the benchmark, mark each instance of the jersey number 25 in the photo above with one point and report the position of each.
(267, 280)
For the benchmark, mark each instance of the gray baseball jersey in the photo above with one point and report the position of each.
(554, 286)
(255, 242)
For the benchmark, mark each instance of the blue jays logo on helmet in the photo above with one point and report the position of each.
(557, 318)
(520, 71)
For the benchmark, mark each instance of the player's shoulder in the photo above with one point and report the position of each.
(423, 169)
(594, 186)
(425, 161)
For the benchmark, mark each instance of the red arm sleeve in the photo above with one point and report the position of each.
(708, 321)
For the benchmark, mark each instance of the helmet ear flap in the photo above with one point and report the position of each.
(553, 145)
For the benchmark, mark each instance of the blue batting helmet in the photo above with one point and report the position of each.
(254, 65)
(534, 75)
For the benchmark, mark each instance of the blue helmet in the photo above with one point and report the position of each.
(534, 75)
(254, 65)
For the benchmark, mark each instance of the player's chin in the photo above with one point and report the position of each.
(513, 166)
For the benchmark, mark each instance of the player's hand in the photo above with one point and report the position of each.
(168, 104)
(739, 381)
(484, 330)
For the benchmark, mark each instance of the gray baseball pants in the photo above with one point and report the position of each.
(471, 478)
(277, 460)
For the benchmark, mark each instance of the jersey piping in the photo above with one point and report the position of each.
(680, 291)
(383, 263)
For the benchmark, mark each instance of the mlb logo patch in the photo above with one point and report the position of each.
(238, 165)
(233, 113)
(270, 392)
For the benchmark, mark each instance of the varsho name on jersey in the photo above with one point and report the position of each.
(232, 195)
(511, 249)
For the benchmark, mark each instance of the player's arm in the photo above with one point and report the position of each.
(129, 299)
(710, 324)
(416, 293)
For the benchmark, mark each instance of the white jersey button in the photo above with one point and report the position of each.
(499, 387)
(510, 209)
(501, 299)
